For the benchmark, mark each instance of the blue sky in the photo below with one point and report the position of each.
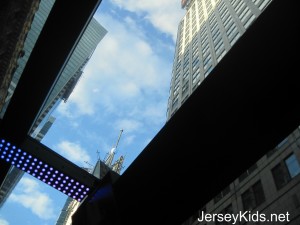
(125, 85)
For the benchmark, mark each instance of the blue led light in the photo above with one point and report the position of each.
(42, 171)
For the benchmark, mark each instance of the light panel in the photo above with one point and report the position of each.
(41, 170)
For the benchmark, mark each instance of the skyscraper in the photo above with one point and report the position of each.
(206, 33)
(73, 69)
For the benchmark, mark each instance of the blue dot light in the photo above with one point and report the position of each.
(40, 170)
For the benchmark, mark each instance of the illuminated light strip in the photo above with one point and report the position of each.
(42, 171)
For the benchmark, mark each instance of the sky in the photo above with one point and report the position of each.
(125, 85)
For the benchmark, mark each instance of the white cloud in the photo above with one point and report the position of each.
(163, 15)
(123, 76)
(73, 152)
(128, 125)
(3, 222)
(29, 195)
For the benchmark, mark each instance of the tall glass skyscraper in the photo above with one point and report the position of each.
(206, 33)
(74, 68)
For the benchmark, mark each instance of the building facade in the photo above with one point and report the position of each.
(15, 21)
(272, 185)
(34, 29)
(73, 70)
(206, 33)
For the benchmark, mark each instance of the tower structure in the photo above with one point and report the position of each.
(205, 34)
(101, 168)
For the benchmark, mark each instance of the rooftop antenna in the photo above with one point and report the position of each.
(112, 152)
(121, 131)
(98, 155)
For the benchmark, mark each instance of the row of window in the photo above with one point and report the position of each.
(282, 173)
(254, 196)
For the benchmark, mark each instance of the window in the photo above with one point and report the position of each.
(285, 171)
(253, 197)
(292, 165)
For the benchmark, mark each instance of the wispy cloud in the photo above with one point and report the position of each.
(125, 85)
(124, 77)
(30, 195)
(73, 152)
(163, 15)
(3, 222)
